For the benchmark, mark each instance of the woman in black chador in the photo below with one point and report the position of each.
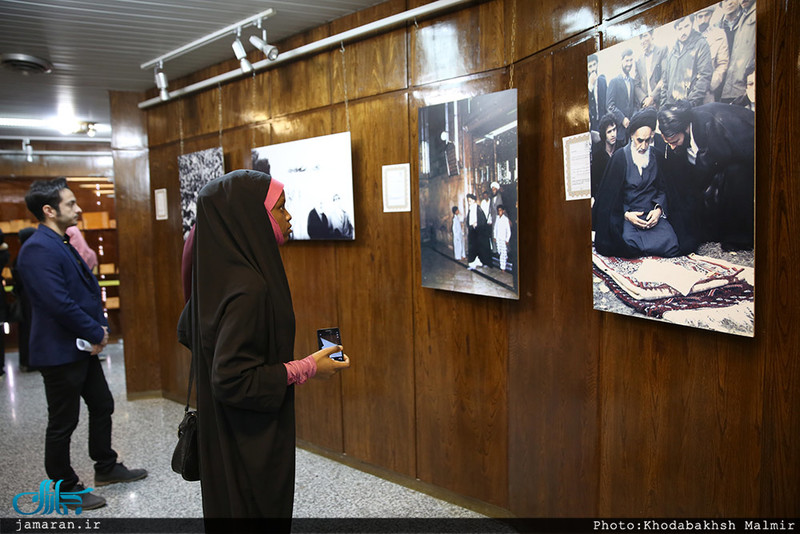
(240, 324)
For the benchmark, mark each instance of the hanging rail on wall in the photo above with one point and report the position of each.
(60, 139)
(60, 153)
(322, 44)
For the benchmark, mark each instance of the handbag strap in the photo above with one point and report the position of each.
(191, 380)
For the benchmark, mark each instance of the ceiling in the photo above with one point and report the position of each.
(98, 45)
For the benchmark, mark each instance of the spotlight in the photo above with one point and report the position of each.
(270, 51)
(26, 146)
(161, 82)
(241, 55)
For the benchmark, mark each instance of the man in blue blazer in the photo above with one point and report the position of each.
(67, 311)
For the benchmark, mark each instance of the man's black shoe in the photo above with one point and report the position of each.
(119, 473)
(88, 501)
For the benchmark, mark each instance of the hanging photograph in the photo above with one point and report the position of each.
(317, 174)
(468, 170)
(195, 170)
(672, 120)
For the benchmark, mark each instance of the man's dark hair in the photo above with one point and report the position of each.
(44, 193)
(675, 118)
(592, 57)
(473, 197)
(627, 52)
(678, 21)
(607, 120)
(455, 209)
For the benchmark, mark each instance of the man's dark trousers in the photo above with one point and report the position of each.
(64, 386)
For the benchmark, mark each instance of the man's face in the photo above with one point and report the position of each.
(702, 20)
(611, 134)
(730, 6)
(750, 89)
(470, 201)
(646, 40)
(746, 4)
(627, 64)
(282, 216)
(67, 213)
(591, 67)
(684, 29)
(676, 140)
(641, 139)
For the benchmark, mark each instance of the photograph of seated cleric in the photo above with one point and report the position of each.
(631, 208)
(673, 215)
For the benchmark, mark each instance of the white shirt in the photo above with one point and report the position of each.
(648, 65)
(692, 149)
(502, 229)
(485, 208)
(472, 215)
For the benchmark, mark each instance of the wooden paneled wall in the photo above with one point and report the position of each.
(541, 406)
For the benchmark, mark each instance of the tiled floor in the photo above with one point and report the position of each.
(144, 436)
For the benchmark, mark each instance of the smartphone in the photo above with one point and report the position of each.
(330, 337)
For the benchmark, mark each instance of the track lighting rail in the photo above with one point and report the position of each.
(228, 30)
(317, 46)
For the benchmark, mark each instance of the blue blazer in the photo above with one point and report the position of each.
(65, 299)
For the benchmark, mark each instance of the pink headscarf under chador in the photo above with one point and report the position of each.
(273, 194)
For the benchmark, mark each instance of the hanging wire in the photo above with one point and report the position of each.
(219, 101)
(513, 44)
(253, 109)
(180, 122)
(344, 86)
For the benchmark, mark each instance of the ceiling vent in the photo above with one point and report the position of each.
(26, 64)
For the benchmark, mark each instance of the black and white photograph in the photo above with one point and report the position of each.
(468, 173)
(317, 175)
(672, 120)
(195, 171)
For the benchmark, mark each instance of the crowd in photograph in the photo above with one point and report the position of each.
(672, 115)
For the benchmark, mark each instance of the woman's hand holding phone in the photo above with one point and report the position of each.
(326, 367)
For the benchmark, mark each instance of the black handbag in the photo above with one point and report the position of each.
(185, 458)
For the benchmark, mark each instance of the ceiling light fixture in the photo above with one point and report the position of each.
(67, 124)
(241, 55)
(238, 48)
(26, 64)
(371, 28)
(23, 123)
(161, 82)
(261, 43)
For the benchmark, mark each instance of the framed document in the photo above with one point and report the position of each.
(397, 188)
(577, 182)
